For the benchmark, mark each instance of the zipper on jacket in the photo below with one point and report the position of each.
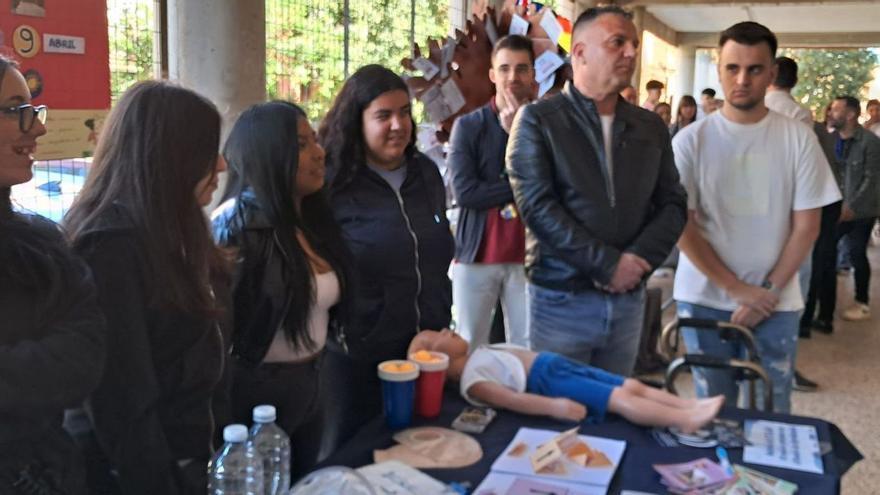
(415, 239)
(211, 419)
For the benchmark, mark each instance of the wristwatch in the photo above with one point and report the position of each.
(767, 284)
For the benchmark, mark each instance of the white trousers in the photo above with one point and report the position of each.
(476, 289)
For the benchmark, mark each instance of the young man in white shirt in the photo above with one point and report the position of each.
(756, 182)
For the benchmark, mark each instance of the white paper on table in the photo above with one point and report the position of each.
(789, 446)
(396, 478)
(521, 465)
(551, 26)
(429, 69)
(546, 64)
(546, 84)
(452, 95)
(518, 25)
(500, 484)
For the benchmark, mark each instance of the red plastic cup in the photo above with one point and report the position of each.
(429, 386)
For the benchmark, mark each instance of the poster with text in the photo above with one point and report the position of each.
(62, 49)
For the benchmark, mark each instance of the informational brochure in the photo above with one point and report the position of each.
(511, 484)
(579, 458)
(396, 478)
(783, 445)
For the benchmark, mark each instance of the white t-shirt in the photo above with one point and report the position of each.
(743, 182)
(782, 102)
(875, 129)
(493, 364)
(607, 138)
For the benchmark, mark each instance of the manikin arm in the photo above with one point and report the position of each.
(525, 403)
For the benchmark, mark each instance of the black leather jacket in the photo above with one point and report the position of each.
(261, 295)
(578, 226)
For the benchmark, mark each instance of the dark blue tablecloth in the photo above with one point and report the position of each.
(635, 471)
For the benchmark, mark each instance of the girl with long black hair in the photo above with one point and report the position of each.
(390, 202)
(292, 276)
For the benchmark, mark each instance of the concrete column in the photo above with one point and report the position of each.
(639, 21)
(218, 48)
(683, 81)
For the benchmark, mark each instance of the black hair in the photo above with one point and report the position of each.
(852, 103)
(342, 130)
(263, 154)
(749, 33)
(515, 42)
(592, 13)
(787, 73)
(5, 192)
(708, 92)
(654, 84)
(33, 254)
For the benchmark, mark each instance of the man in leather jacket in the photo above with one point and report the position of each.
(595, 181)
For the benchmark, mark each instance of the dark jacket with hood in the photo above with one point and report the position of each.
(51, 355)
(402, 247)
(164, 390)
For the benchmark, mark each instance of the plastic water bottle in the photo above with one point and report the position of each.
(273, 445)
(237, 468)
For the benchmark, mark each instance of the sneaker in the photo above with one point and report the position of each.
(803, 384)
(858, 312)
(823, 326)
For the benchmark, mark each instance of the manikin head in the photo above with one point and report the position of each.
(447, 342)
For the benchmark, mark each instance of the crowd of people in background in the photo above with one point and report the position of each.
(153, 324)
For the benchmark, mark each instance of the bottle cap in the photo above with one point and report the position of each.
(264, 414)
(235, 433)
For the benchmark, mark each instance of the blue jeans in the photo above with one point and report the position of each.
(593, 327)
(775, 337)
(553, 375)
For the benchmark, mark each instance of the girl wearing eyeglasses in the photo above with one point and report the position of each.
(52, 331)
(162, 284)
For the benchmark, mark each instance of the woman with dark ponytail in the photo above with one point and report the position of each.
(52, 332)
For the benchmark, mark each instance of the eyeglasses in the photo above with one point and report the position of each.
(27, 115)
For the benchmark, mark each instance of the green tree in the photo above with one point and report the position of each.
(305, 59)
(825, 74)
(130, 24)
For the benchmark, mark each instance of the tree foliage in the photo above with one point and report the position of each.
(305, 58)
(131, 43)
(826, 74)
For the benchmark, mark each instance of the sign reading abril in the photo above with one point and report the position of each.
(62, 47)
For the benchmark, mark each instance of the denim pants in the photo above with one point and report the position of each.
(476, 289)
(593, 327)
(775, 337)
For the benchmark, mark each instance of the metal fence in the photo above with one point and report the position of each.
(132, 31)
(313, 45)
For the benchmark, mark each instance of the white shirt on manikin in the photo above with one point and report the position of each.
(782, 102)
(743, 182)
(493, 364)
(607, 137)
